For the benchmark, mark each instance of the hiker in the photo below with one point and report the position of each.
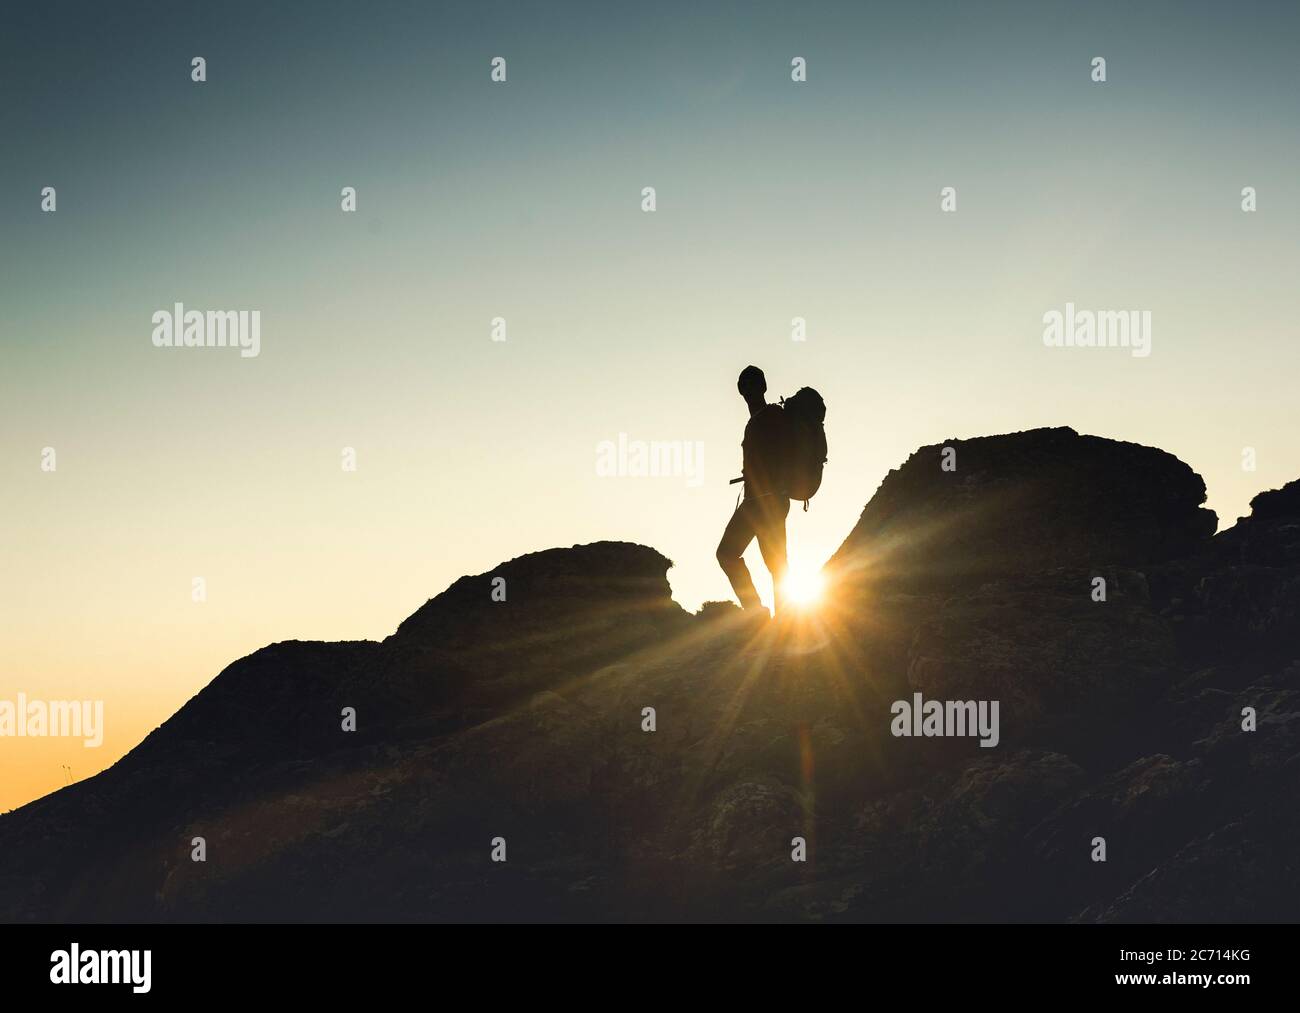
(766, 499)
(783, 453)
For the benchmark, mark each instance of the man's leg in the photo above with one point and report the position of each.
(736, 537)
(771, 542)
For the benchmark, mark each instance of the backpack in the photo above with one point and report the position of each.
(806, 414)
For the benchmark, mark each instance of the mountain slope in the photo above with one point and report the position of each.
(526, 719)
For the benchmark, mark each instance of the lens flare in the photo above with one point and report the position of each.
(802, 589)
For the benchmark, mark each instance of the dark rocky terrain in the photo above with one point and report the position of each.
(523, 720)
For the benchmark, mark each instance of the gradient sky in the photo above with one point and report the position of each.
(522, 200)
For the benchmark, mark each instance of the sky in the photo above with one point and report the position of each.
(523, 200)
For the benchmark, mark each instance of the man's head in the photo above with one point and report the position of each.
(752, 383)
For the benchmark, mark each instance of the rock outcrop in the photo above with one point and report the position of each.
(642, 763)
(968, 510)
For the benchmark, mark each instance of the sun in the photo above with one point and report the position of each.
(802, 588)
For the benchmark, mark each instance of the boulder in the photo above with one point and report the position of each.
(1021, 503)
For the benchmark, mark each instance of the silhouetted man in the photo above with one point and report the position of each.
(762, 512)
